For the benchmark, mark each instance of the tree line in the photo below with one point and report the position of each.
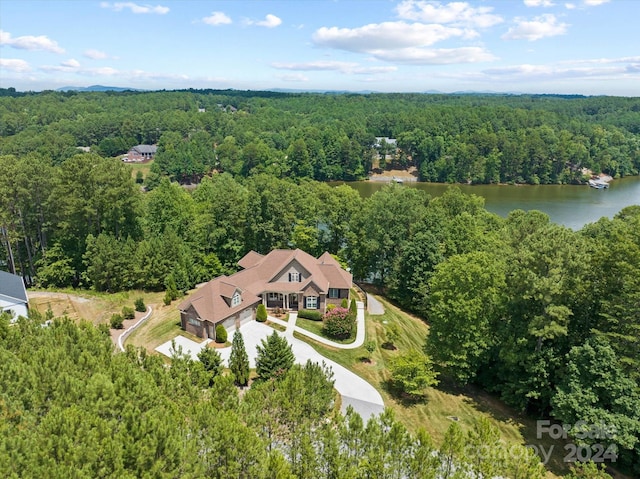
(533, 139)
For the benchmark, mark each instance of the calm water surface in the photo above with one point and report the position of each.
(569, 205)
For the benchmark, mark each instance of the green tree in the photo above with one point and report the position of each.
(412, 373)
(465, 305)
(239, 360)
(212, 362)
(274, 357)
(261, 313)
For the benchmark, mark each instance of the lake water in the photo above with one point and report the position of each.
(569, 205)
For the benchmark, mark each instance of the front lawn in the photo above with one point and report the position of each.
(316, 327)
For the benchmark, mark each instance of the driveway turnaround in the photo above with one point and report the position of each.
(355, 391)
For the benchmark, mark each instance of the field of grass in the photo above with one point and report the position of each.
(442, 404)
(145, 168)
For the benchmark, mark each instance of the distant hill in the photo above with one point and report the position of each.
(96, 88)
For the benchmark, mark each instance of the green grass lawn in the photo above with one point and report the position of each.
(316, 327)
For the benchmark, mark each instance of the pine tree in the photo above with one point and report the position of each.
(239, 360)
(274, 358)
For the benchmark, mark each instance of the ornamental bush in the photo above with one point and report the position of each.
(221, 334)
(261, 313)
(310, 314)
(339, 323)
(128, 313)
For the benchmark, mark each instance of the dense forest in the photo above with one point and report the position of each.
(465, 138)
(544, 317)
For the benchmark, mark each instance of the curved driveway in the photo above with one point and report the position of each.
(355, 391)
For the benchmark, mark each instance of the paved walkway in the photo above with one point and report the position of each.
(355, 391)
(374, 306)
(291, 327)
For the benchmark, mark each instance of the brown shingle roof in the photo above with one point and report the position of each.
(210, 304)
(260, 275)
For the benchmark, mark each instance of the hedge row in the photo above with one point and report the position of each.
(310, 314)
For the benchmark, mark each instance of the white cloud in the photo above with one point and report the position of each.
(384, 36)
(270, 21)
(539, 3)
(456, 13)
(135, 8)
(343, 67)
(595, 3)
(71, 63)
(29, 42)
(217, 18)
(435, 56)
(14, 65)
(296, 77)
(95, 54)
(540, 27)
(569, 6)
(598, 68)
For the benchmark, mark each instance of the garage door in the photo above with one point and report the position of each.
(243, 317)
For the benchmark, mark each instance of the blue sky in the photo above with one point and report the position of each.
(588, 47)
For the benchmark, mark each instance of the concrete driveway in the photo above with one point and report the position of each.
(355, 391)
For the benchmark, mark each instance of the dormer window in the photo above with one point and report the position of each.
(236, 300)
(295, 277)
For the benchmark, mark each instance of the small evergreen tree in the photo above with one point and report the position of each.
(140, 306)
(274, 358)
(116, 321)
(167, 298)
(221, 334)
(344, 303)
(212, 362)
(353, 307)
(239, 360)
(128, 313)
(261, 313)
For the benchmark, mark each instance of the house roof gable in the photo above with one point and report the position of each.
(12, 285)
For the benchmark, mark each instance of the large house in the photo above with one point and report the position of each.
(13, 295)
(141, 154)
(286, 279)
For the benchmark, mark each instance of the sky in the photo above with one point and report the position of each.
(589, 47)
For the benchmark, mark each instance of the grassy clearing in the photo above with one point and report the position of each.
(162, 326)
(145, 168)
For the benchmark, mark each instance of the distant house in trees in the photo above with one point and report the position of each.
(287, 279)
(141, 154)
(13, 295)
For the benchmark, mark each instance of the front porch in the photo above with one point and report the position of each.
(288, 301)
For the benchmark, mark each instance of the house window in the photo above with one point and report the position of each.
(194, 322)
(236, 300)
(334, 293)
(311, 302)
(294, 278)
(274, 296)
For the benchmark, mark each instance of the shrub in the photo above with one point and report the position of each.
(412, 373)
(139, 305)
(221, 334)
(353, 308)
(116, 321)
(128, 313)
(339, 323)
(167, 298)
(344, 303)
(310, 314)
(330, 306)
(261, 313)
